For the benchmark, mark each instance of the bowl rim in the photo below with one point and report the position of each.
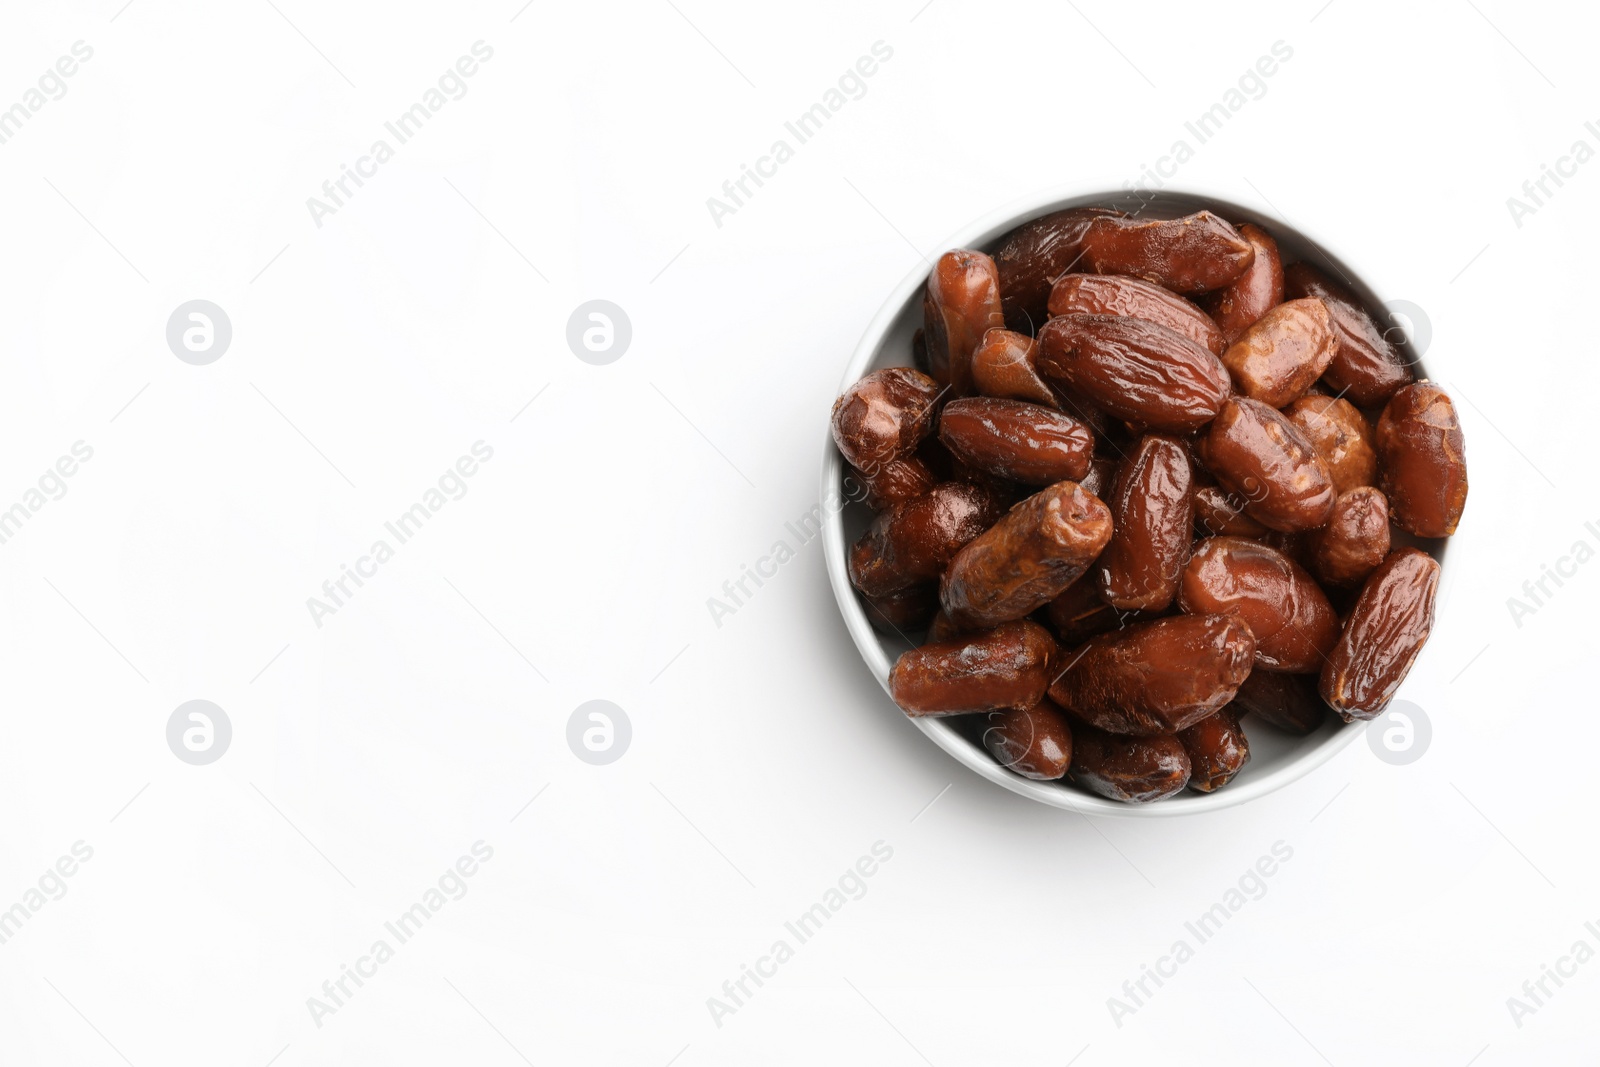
(981, 233)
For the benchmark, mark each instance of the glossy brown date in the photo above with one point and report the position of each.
(1015, 440)
(883, 416)
(1006, 667)
(1102, 477)
(1115, 294)
(915, 541)
(1034, 742)
(1040, 547)
(1340, 436)
(1034, 255)
(1156, 677)
(1355, 540)
(905, 610)
(1217, 750)
(1079, 612)
(1152, 515)
(1259, 289)
(1003, 366)
(1386, 629)
(1276, 360)
(896, 482)
(1294, 624)
(1259, 455)
(1423, 460)
(1135, 370)
(1194, 254)
(1220, 513)
(1134, 770)
(961, 305)
(1366, 368)
(1288, 702)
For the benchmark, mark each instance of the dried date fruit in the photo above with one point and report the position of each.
(1114, 294)
(1007, 667)
(915, 541)
(897, 482)
(1286, 701)
(1355, 540)
(1040, 547)
(1015, 440)
(905, 610)
(1156, 677)
(884, 416)
(1034, 742)
(1259, 455)
(1217, 750)
(1220, 513)
(1386, 629)
(1294, 624)
(1134, 370)
(1101, 478)
(1152, 513)
(961, 305)
(1423, 460)
(1341, 437)
(1134, 770)
(1079, 612)
(1034, 255)
(1277, 359)
(1194, 254)
(1366, 368)
(1258, 290)
(1003, 366)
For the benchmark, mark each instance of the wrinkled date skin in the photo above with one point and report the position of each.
(1135, 370)
(1288, 702)
(896, 482)
(1034, 742)
(961, 305)
(1217, 750)
(1259, 289)
(1003, 366)
(1341, 437)
(1034, 255)
(1423, 460)
(1157, 677)
(1294, 624)
(905, 610)
(1079, 612)
(1194, 254)
(1152, 514)
(914, 542)
(1277, 359)
(1256, 453)
(1366, 368)
(1355, 540)
(884, 416)
(1112, 294)
(1220, 513)
(1040, 547)
(1134, 770)
(1007, 667)
(1016, 440)
(1387, 628)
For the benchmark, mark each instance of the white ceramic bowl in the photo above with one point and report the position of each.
(1276, 759)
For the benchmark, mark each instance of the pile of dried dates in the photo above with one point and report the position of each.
(1144, 480)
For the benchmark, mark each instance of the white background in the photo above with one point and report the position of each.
(368, 754)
